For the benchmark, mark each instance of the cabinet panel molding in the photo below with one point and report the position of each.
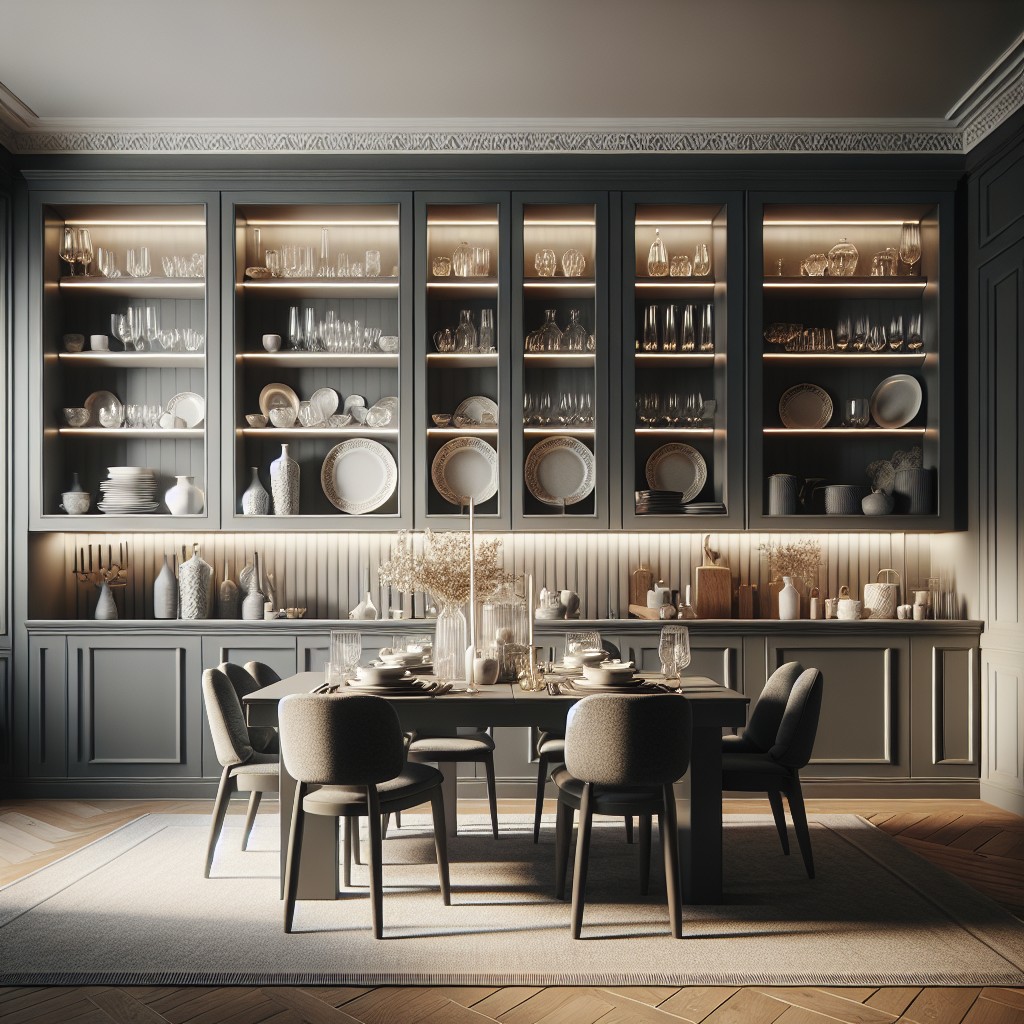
(999, 192)
(47, 708)
(952, 693)
(1004, 722)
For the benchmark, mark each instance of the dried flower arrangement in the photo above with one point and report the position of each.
(443, 569)
(799, 558)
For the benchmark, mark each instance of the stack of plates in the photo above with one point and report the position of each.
(705, 508)
(659, 502)
(128, 490)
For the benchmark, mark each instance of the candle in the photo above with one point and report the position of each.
(110, 555)
(529, 611)
(90, 558)
(76, 563)
(82, 550)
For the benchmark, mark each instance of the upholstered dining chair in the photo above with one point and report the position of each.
(753, 764)
(622, 756)
(262, 673)
(347, 756)
(244, 769)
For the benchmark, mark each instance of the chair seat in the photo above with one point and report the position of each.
(764, 765)
(739, 745)
(608, 799)
(336, 801)
(258, 764)
(549, 734)
(470, 743)
(553, 746)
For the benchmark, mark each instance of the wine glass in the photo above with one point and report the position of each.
(910, 246)
(896, 333)
(294, 328)
(66, 250)
(914, 340)
(151, 324)
(84, 250)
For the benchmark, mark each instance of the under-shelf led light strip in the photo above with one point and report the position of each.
(89, 223)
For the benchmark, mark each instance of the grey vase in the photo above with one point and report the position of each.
(194, 587)
(783, 492)
(914, 491)
(252, 606)
(227, 597)
(105, 607)
(255, 499)
(284, 484)
(165, 593)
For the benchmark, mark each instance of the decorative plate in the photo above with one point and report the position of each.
(326, 401)
(677, 467)
(278, 396)
(805, 407)
(464, 468)
(477, 410)
(310, 415)
(560, 469)
(189, 406)
(101, 400)
(896, 401)
(359, 475)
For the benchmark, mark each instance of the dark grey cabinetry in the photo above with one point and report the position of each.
(47, 708)
(6, 701)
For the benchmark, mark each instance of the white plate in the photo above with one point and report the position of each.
(188, 406)
(98, 400)
(677, 467)
(477, 410)
(325, 400)
(359, 475)
(278, 396)
(560, 469)
(464, 468)
(805, 407)
(896, 401)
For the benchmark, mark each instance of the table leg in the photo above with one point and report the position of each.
(700, 818)
(318, 865)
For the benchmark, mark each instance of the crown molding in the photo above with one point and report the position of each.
(994, 97)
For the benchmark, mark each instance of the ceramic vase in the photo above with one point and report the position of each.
(165, 593)
(194, 587)
(105, 607)
(184, 498)
(255, 499)
(789, 599)
(284, 484)
(366, 609)
(76, 485)
(227, 597)
(252, 606)
(449, 643)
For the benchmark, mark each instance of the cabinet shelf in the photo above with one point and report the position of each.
(562, 360)
(485, 284)
(137, 287)
(463, 359)
(693, 358)
(360, 288)
(130, 433)
(655, 431)
(296, 432)
(556, 431)
(866, 286)
(132, 360)
(853, 357)
(706, 284)
(848, 431)
(320, 359)
(462, 431)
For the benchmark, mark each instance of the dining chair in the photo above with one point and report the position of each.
(776, 769)
(622, 756)
(346, 754)
(244, 769)
(262, 673)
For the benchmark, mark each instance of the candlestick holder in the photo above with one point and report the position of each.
(104, 577)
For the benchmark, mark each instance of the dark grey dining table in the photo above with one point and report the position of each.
(699, 792)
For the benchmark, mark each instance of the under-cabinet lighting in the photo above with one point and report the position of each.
(461, 431)
(358, 430)
(320, 223)
(559, 283)
(131, 282)
(678, 282)
(820, 431)
(170, 433)
(559, 224)
(328, 282)
(136, 223)
(578, 357)
(705, 356)
(844, 355)
(461, 223)
(673, 223)
(589, 431)
(831, 282)
(461, 283)
(674, 430)
(837, 223)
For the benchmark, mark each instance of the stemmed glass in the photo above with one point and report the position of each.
(674, 651)
(582, 640)
(910, 246)
(151, 324)
(66, 250)
(83, 250)
(914, 340)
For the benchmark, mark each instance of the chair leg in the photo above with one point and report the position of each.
(492, 793)
(542, 778)
(375, 858)
(220, 809)
(250, 816)
(629, 828)
(398, 819)
(441, 844)
(579, 878)
(645, 854)
(563, 840)
(385, 820)
(357, 850)
(775, 799)
(670, 848)
(291, 864)
(803, 836)
(351, 840)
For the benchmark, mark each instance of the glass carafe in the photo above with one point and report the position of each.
(842, 259)
(465, 333)
(549, 337)
(657, 258)
(575, 337)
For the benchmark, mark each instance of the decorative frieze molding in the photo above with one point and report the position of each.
(997, 95)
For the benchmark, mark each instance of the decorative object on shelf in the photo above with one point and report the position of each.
(680, 266)
(73, 342)
(659, 595)
(560, 471)
(573, 263)
(272, 342)
(194, 576)
(465, 467)
(783, 489)
(389, 343)
(165, 592)
(188, 406)
(443, 340)
(462, 260)
(75, 503)
(877, 503)
(856, 412)
(815, 611)
(814, 265)
(103, 401)
(881, 598)
(227, 596)
(465, 333)
(847, 607)
(789, 600)
(842, 259)
(570, 601)
(184, 498)
(884, 263)
(278, 396)
(805, 407)
(486, 331)
(576, 336)
(358, 476)
(896, 401)
(256, 420)
(657, 257)
(441, 266)
(310, 415)
(910, 247)
(284, 484)
(249, 583)
(798, 559)
(255, 499)
(746, 601)
(105, 607)
(99, 343)
(701, 260)
(545, 263)
(914, 491)
(283, 417)
(714, 585)
(366, 609)
(677, 467)
(640, 581)
(844, 499)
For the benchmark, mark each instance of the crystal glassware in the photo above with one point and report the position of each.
(707, 333)
(487, 330)
(573, 263)
(701, 260)
(687, 344)
(896, 333)
(346, 650)
(650, 339)
(910, 247)
(576, 335)
(545, 263)
(670, 336)
(441, 266)
(371, 263)
(877, 339)
(272, 261)
(915, 342)
(842, 335)
(294, 327)
(856, 412)
(842, 259)
(815, 265)
(462, 260)
(657, 257)
(67, 247)
(550, 335)
(138, 262)
(680, 266)
(465, 333)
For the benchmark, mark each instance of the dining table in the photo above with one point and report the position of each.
(699, 793)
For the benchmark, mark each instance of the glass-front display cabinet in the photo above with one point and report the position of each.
(462, 380)
(123, 370)
(322, 359)
(681, 434)
(561, 349)
(852, 420)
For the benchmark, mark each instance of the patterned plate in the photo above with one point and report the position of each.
(805, 407)
(560, 469)
(677, 467)
(359, 475)
(464, 468)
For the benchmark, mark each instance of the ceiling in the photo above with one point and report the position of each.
(118, 62)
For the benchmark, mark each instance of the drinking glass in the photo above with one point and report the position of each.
(486, 337)
(138, 262)
(670, 339)
(857, 412)
(577, 641)
(860, 334)
(309, 327)
(66, 250)
(83, 250)
(343, 265)
(877, 339)
(915, 342)
(151, 324)
(650, 342)
(272, 261)
(673, 410)
(843, 334)
(673, 660)
(587, 409)
(544, 410)
(701, 260)
(910, 247)
(707, 335)
(528, 407)
(371, 263)
(687, 344)
(294, 327)
(896, 333)
(346, 650)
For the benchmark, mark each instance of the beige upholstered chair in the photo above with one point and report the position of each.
(245, 769)
(262, 673)
(346, 755)
(622, 754)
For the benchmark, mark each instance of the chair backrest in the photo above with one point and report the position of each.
(262, 673)
(766, 715)
(227, 722)
(628, 740)
(332, 740)
(799, 726)
(261, 737)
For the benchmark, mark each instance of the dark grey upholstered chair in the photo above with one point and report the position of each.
(475, 746)
(623, 754)
(245, 769)
(346, 755)
(776, 769)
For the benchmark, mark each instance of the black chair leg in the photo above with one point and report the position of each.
(250, 816)
(629, 828)
(803, 836)
(351, 840)
(775, 799)
(220, 809)
(542, 778)
(579, 877)
(669, 827)
(291, 864)
(376, 859)
(563, 840)
(492, 793)
(398, 819)
(645, 854)
(441, 844)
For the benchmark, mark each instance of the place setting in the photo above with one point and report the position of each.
(394, 673)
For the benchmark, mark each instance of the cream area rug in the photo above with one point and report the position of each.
(133, 908)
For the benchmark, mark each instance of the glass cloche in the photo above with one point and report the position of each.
(503, 620)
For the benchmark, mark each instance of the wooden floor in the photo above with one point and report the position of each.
(975, 841)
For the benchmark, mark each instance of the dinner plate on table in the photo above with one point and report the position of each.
(464, 468)
(677, 467)
(359, 475)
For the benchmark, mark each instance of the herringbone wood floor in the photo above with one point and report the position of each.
(980, 844)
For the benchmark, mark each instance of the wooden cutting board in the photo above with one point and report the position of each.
(714, 592)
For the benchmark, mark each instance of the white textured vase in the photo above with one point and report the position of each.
(252, 606)
(789, 599)
(255, 499)
(105, 607)
(194, 587)
(184, 498)
(284, 484)
(165, 593)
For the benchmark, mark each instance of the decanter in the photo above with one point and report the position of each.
(576, 335)
(842, 259)
(549, 337)
(465, 333)
(462, 260)
(657, 258)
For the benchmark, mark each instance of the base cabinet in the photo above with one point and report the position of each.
(47, 708)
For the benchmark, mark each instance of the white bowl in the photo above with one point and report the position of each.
(609, 672)
(282, 416)
(383, 675)
(578, 658)
(256, 419)
(402, 658)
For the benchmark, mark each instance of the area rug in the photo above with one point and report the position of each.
(133, 908)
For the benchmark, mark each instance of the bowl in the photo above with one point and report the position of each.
(441, 419)
(76, 417)
(383, 675)
(110, 417)
(609, 671)
(282, 416)
(74, 342)
(401, 659)
(76, 503)
(388, 343)
(256, 419)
